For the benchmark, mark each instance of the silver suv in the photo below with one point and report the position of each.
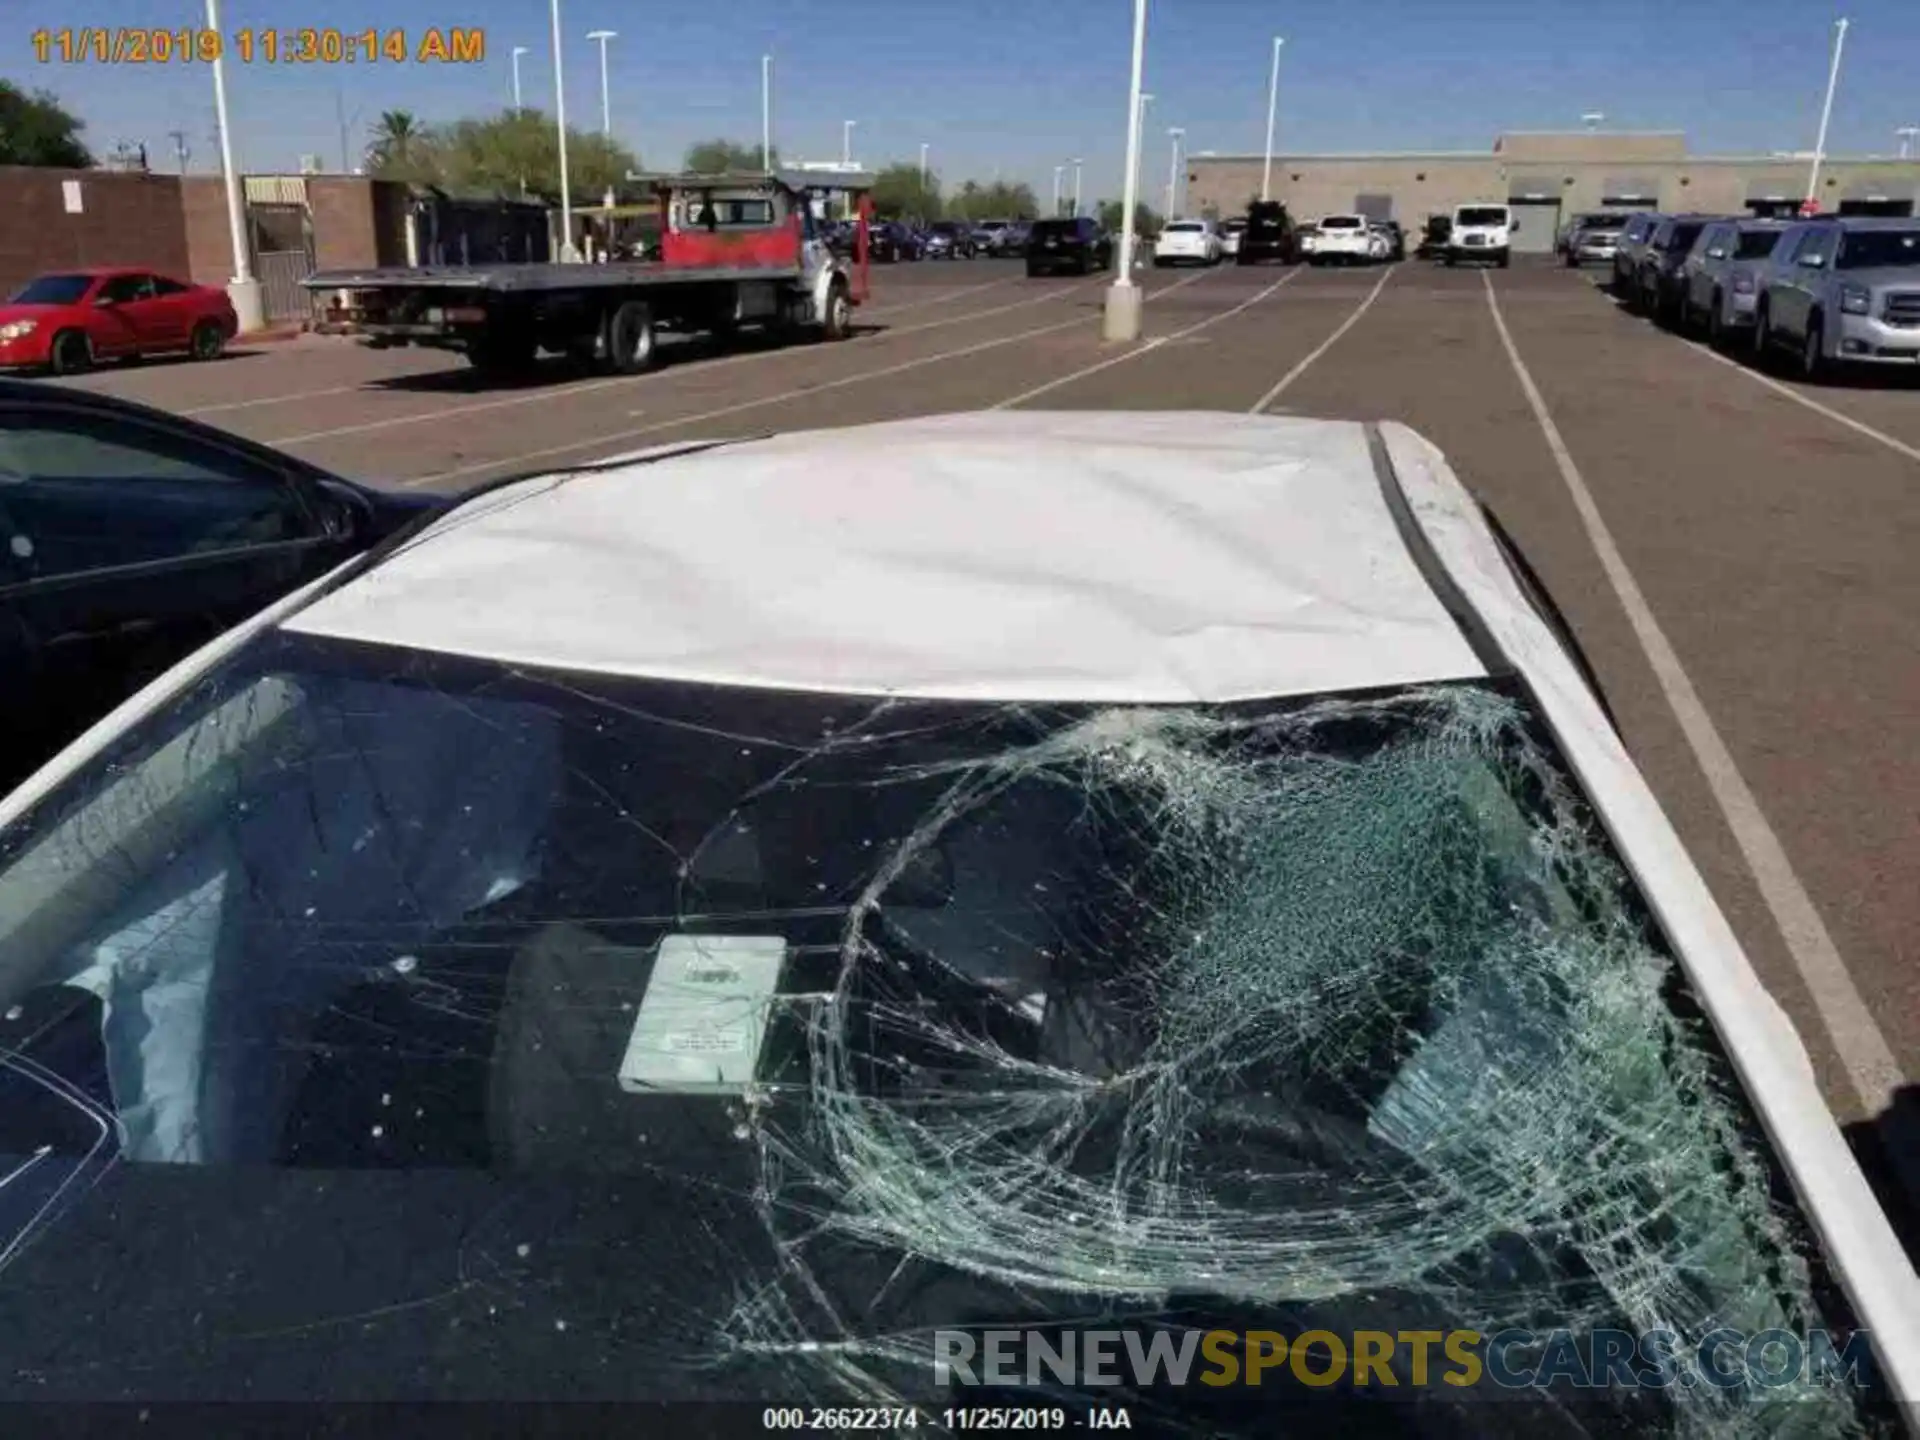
(1842, 291)
(1720, 278)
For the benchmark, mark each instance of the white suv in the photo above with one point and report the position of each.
(1189, 242)
(1346, 239)
(1482, 231)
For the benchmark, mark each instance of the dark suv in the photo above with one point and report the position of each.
(1079, 247)
(1657, 286)
(1269, 235)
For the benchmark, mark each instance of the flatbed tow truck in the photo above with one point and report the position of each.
(739, 249)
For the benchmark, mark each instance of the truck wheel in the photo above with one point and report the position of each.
(629, 348)
(837, 323)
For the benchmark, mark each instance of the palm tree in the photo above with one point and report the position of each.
(394, 141)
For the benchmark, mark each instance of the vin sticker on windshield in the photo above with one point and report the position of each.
(703, 1019)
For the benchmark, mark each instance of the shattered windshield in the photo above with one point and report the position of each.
(379, 1025)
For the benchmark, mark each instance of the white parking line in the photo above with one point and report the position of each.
(800, 393)
(546, 394)
(1325, 345)
(1863, 1049)
(1149, 347)
(1860, 427)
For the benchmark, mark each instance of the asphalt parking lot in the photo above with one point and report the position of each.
(1737, 554)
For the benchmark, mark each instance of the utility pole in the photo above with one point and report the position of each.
(518, 51)
(1826, 114)
(1273, 107)
(1173, 173)
(1120, 315)
(606, 95)
(242, 289)
(766, 113)
(1058, 171)
(569, 253)
(1076, 188)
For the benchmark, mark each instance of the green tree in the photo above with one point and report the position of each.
(499, 154)
(34, 130)
(400, 148)
(1145, 220)
(714, 157)
(900, 194)
(997, 201)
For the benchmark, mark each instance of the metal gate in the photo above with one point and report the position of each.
(282, 238)
(1538, 224)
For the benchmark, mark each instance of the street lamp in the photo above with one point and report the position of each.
(568, 254)
(1076, 187)
(1058, 171)
(1173, 172)
(766, 113)
(1273, 106)
(846, 143)
(1826, 113)
(1593, 120)
(242, 289)
(1906, 134)
(518, 51)
(606, 101)
(1120, 318)
(923, 162)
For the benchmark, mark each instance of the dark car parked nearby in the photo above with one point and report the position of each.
(1078, 247)
(129, 537)
(1434, 237)
(889, 240)
(1628, 249)
(1658, 285)
(949, 240)
(1270, 235)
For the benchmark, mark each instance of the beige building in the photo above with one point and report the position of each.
(1551, 177)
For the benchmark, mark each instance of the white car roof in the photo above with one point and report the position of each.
(1144, 558)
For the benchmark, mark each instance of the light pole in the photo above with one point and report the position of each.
(568, 254)
(766, 113)
(1906, 134)
(923, 163)
(1173, 173)
(242, 289)
(518, 51)
(846, 143)
(1826, 113)
(1058, 171)
(606, 97)
(1273, 109)
(1141, 122)
(1076, 187)
(1120, 318)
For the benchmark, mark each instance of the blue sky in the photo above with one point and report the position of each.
(1017, 85)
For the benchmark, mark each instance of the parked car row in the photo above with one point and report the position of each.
(890, 241)
(1831, 292)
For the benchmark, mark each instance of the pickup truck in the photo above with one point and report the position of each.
(735, 249)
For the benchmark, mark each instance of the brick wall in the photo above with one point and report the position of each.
(203, 214)
(124, 220)
(344, 233)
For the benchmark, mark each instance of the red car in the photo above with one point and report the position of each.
(66, 321)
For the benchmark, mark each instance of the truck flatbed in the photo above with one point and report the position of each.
(540, 278)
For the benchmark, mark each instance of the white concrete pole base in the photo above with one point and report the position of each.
(248, 304)
(1121, 318)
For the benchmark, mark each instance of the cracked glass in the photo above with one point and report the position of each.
(322, 991)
